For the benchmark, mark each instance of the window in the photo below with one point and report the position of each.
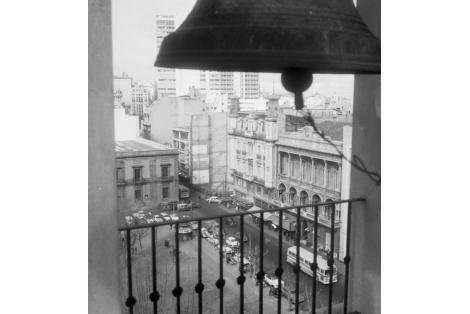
(164, 171)
(137, 194)
(137, 174)
(165, 192)
(120, 174)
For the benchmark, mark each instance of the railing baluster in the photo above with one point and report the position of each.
(221, 282)
(241, 278)
(260, 274)
(279, 270)
(199, 287)
(297, 263)
(155, 295)
(315, 265)
(347, 260)
(177, 291)
(331, 260)
(130, 302)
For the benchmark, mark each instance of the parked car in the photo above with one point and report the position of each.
(183, 206)
(231, 242)
(158, 219)
(149, 220)
(214, 199)
(165, 216)
(205, 233)
(174, 217)
(139, 215)
(272, 281)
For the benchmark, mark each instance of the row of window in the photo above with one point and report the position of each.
(138, 172)
(138, 193)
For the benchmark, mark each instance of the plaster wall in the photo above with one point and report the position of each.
(103, 237)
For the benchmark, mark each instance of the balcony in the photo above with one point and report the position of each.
(142, 294)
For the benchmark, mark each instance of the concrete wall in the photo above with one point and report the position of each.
(126, 127)
(103, 237)
(365, 223)
(169, 113)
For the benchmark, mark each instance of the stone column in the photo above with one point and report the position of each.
(325, 179)
(289, 174)
(300, 165)
(313, 170)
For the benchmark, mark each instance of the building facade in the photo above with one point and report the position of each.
(309, 170)
(182, 142)
(168, 113)
(208, 151)
(249, 85)
(146, 174)
(214, 82)
(251, 151)
(166, 78)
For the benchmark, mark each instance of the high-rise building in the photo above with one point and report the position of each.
(166, 78)
(217, 83)
(249, 85)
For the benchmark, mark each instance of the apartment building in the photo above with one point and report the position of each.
(166, 78)
(146, 174)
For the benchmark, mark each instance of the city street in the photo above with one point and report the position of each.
(271, 252)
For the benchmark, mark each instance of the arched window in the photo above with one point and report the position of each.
(292, 196)
(303, 198)
(282, 192)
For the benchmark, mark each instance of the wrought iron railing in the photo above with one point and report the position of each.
(154, 295)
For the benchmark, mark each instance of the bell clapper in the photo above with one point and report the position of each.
(297, 80)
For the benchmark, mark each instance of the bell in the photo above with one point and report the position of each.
(323, 36)
(293, 37)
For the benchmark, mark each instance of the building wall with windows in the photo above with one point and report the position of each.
(166, 78)
(251, 147)
(146, 174)
(249, 85)
(309, 170)
(182, 142)
(217, 82)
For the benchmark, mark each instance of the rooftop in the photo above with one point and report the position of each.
(138, 145)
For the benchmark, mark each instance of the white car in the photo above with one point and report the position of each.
(157, 218)
(231, 242)
(272, 281)
(214, 199)
(165, 216)
(205, 233)
(174, 217)
(150, 220)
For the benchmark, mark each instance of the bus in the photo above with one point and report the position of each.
(306, 259)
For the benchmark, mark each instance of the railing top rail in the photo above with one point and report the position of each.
(283, 209)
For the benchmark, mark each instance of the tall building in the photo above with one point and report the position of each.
(141, 99)
(249, 85)
(166, 78)
(251, 153)
(146, 174)
(217, 83)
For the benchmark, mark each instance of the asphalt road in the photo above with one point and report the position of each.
(270, 251)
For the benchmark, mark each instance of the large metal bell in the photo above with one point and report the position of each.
(318, 36)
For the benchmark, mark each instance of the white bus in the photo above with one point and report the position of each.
(306, 259)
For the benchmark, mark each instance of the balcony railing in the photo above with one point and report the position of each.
(154, 296)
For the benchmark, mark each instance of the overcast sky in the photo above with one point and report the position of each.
(134, 32)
